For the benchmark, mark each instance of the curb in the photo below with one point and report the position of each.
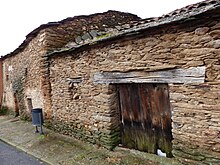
(25, 151)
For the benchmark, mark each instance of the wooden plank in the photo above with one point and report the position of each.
(146, 117)
(149, 136)
(126, 112)
(163, 114)
(74, 80)
(188, 75)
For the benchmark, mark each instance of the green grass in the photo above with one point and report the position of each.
(4, 110)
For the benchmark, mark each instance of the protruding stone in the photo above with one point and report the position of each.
(214, 43)
(93, 33)
(86, 36)
(202, 30)
(78, 40)
(71, 45)
(215, 34)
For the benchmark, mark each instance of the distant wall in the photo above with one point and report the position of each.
(22, 77)
(1, 81)
(89, 111)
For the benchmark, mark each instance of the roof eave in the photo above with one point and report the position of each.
(137, 31)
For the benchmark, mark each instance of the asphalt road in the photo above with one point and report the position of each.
(10, 156)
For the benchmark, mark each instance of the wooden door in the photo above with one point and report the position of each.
(145, 117)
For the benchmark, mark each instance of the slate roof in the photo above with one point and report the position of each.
(137, 26)
(36, 31)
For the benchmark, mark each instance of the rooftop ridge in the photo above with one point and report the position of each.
(136, 26)
(132, 26)
(36, 31)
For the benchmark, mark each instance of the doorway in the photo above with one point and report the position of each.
(16, 104)
(145, 117)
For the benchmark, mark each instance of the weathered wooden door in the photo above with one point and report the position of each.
(145, 117)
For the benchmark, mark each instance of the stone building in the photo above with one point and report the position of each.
(25, 86)
(150, 84)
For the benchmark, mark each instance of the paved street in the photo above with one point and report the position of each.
(11, 156)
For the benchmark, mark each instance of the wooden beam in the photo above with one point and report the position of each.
(74, 80)
(185, 75)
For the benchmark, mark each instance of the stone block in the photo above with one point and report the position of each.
(93, 33)
(214, 43)
(86, 36)
(216, 26)
(78, 40)
(195, 63)
(202, 30)
(215, 34)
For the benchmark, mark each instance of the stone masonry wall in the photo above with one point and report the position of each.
(89, 111)
(1, 81)
(26, 73)
(76, 30)
(21, 78)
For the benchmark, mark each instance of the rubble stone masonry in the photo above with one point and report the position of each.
(90, 111)
(21, 78)
(63, 83)
(67, 31)
(25, 71)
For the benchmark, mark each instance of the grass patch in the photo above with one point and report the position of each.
(41, 137)
(4, 110)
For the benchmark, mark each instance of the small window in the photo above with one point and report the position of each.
(7, 77)
(29, 104)
(25, 71)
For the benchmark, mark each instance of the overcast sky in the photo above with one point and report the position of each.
(19, 17)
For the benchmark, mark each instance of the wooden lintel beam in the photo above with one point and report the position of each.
(183, 75)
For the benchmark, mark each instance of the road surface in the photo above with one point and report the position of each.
(11, 156)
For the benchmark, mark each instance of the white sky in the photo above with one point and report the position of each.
(19, 17)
